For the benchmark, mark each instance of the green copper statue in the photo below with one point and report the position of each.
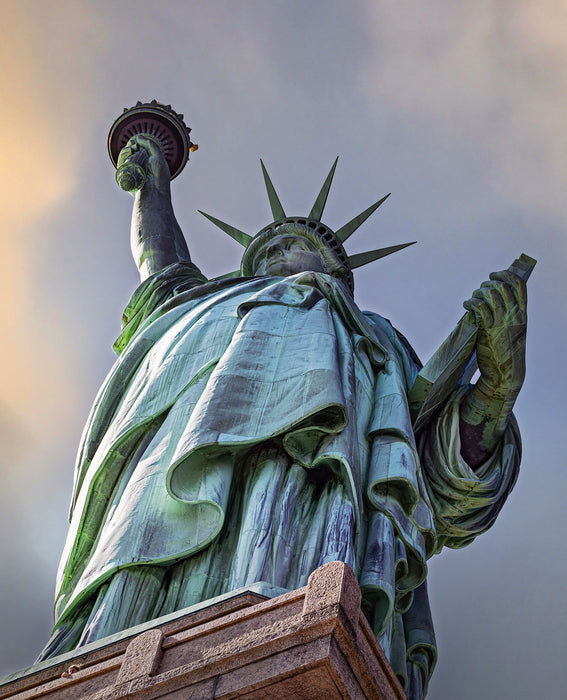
(257, 426)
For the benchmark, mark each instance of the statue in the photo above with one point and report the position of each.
(257, 426)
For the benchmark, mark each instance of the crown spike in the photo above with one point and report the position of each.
(277, 209)
(239, 236)
(348, 229)
(317, 212)
(360, 259)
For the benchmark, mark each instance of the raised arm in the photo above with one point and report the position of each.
(499, 307)
(156, 238)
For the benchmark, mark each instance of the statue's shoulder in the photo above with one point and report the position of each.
(398, 339)
(153, 293)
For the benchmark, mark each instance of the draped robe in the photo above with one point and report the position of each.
(251, 430)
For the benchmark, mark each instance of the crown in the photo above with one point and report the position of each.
(310, 227)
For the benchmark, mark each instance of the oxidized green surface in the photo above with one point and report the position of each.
(256, 428)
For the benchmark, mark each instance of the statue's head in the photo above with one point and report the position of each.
(291, 245)
(296, 245)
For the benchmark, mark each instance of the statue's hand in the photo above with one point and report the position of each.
(149, 154)
(499, 308)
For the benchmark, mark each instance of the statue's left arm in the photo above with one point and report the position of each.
(470, 449)
(499, 308)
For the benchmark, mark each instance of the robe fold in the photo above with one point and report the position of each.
(254, 429)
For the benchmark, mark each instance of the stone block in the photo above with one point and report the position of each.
(313, 642)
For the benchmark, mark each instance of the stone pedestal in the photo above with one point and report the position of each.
(313, 642)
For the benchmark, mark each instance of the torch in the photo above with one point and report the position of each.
(157, 121)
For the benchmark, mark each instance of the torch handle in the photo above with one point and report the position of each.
(131, 174)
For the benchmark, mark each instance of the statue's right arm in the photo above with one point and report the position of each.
(155, 236)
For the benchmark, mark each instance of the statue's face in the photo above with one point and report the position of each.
(287, 255)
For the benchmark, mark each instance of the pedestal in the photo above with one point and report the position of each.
(313, 642)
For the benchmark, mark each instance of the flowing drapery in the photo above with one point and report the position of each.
(234, 407)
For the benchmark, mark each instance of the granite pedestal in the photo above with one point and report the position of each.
(313, 642)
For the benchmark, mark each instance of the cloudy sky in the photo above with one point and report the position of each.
(458, 109)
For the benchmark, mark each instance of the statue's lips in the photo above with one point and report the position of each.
(278, 263)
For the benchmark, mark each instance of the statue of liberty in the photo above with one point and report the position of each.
(257, 426)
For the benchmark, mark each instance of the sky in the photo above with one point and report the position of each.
(458, 109)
